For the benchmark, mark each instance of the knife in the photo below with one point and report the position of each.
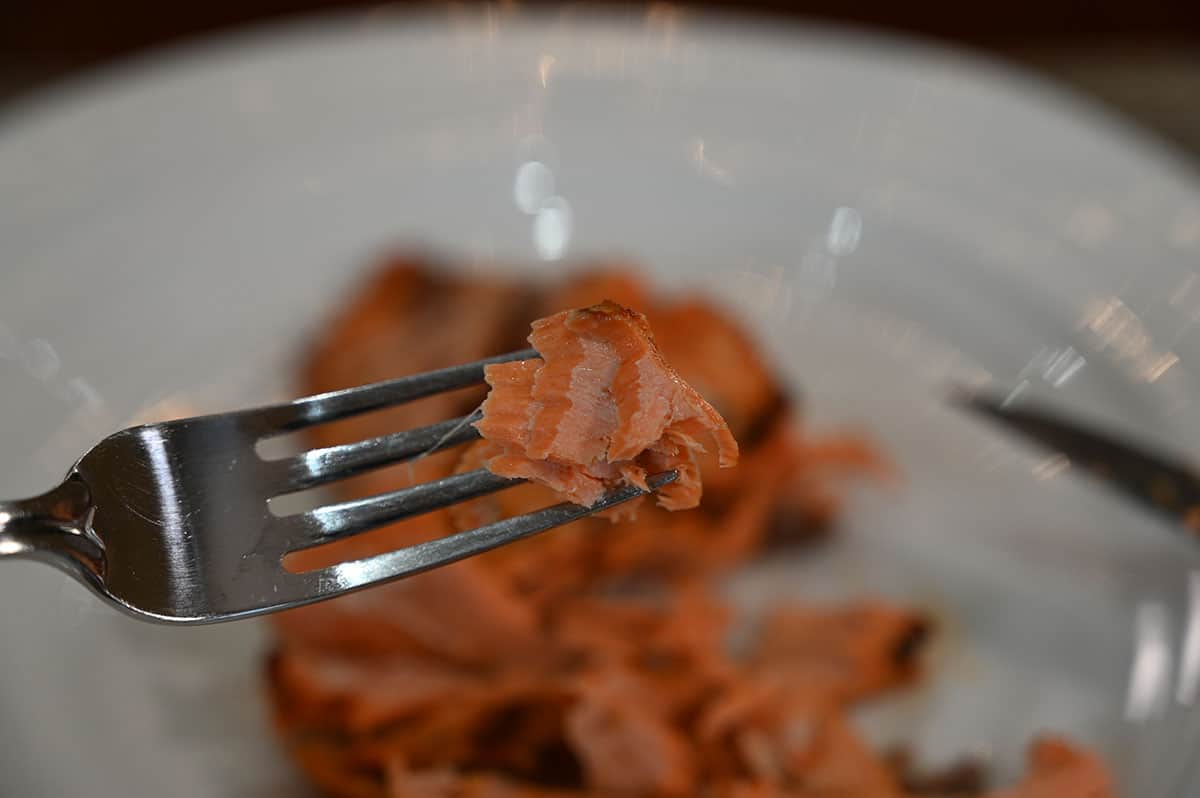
(1162, 483)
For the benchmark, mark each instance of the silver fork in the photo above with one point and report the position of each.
(170, 521)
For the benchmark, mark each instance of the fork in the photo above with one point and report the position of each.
(170, 521)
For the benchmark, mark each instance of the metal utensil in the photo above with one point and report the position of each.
(1164, 484)
(170, 521)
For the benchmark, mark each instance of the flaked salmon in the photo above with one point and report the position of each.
(1058, 769)
(594, 662)
(600, 407)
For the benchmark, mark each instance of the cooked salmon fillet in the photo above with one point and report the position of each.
(600, 407)
(594, 662)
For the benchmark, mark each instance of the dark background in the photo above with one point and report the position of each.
(1140, 56)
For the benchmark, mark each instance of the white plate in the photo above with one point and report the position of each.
(889, 216)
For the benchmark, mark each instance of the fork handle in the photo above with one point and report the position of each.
(52, 527)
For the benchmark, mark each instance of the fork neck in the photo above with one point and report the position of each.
(52, 527)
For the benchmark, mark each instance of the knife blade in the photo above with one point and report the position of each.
(1163, 483)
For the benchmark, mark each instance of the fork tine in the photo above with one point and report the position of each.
(336, 521)
(348, 576)
(319, 466)
(334, 405)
